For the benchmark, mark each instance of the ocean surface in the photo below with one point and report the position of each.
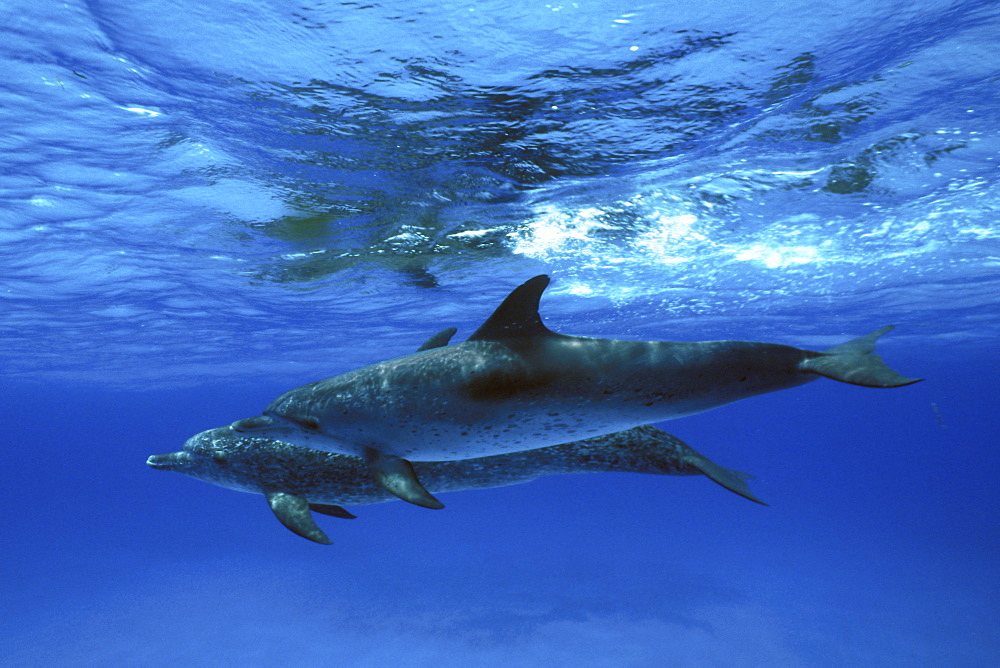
(205, 204)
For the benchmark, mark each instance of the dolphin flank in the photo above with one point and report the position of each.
(297, 480)
(516, 385)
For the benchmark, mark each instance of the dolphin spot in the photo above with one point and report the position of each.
(743, 379)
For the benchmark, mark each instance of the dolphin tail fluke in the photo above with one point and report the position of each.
(672, 456)
(397, 476)
(852, 362)
(293, 511)
(734, 481)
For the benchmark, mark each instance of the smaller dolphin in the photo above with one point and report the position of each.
(296, 480)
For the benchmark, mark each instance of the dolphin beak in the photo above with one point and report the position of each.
(167, 462)
(253, 424)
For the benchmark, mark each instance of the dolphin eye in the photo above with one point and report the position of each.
(309, 424)
(219, 457)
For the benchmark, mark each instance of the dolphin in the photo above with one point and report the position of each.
(516, 385)
(296, 480)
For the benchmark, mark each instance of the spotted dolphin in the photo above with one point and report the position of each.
(296, 480)
(516, 385)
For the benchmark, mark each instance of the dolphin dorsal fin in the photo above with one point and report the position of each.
(517, 315)
(439, 340)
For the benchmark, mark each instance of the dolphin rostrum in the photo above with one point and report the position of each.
(297, 480)
(516, 385)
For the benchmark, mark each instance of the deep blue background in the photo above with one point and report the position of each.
(878, 546)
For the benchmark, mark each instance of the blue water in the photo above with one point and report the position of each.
(205, 204)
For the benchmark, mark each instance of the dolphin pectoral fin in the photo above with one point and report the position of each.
(852, 362)
(734, 481)
(332, 511)
(398, 478)
(293, 511)
(439, 340)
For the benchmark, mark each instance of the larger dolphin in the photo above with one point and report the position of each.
(516, 385)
